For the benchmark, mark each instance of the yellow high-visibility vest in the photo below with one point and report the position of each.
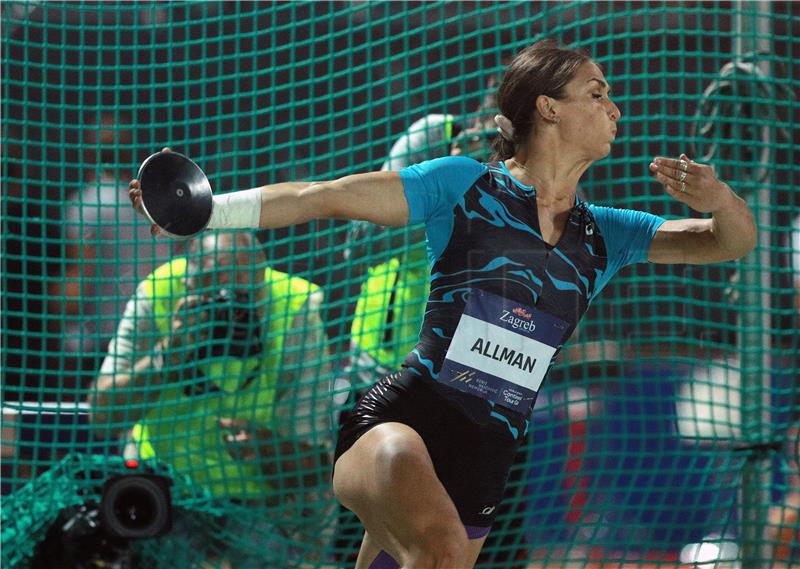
(389, 311)
(182, 429)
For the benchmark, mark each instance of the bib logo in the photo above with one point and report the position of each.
(522, 313)
(464, 376)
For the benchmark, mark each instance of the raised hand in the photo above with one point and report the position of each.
(692, 183)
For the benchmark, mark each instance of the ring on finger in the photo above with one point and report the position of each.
(683, 165)
(683, 187)
(682, 176)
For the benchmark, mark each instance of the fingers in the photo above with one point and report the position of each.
(674, 187)
(135, 194)
(238, 438)
(674, 163)
(677, 176)
(191, 317)
(674, 190)
(678, 170)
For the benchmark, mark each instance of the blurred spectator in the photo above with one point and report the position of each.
(32, 249)
(784, 518)
(219, 369)
(108, 248)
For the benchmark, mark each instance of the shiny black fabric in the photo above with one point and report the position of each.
(471, 460)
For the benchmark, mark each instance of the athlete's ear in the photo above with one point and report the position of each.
(546, 107)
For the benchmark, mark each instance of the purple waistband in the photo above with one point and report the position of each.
(477, 532)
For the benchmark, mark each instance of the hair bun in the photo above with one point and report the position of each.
(504, 127)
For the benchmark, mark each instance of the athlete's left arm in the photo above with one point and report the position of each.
(729, 234)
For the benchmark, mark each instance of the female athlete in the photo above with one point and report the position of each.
(516, 257)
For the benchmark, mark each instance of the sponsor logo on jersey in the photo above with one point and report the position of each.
(464, 376)
(516, 322)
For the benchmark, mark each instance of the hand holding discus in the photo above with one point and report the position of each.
(175, 195)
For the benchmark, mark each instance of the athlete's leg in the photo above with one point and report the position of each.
(387, 478)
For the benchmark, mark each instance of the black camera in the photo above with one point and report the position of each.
(136, 506)
(92, 536)
(235, 325)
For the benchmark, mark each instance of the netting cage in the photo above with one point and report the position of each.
(667, 432)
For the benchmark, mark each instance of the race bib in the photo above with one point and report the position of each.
(501, 350)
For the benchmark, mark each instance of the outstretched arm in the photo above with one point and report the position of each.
(377, 197)
(729, 234)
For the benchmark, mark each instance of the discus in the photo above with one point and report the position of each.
(176, 195)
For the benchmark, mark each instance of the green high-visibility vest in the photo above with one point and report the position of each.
(182, 429)
(390, 310)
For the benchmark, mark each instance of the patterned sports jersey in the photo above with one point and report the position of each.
(483, 233)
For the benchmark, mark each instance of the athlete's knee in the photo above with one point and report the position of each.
(402, 452)
(379, 464)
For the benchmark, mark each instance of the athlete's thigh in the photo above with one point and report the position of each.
(473, 550)
(387, 478)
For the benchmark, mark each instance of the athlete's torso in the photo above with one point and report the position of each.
(495, 245)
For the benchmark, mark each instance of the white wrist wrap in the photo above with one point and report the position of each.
(236, 210)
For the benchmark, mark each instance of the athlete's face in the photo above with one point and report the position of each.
(587, 117)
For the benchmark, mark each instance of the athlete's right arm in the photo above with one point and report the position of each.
(377, 197)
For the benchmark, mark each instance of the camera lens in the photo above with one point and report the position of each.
(136, 506)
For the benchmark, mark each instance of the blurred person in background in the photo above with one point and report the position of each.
(31, 329)
(107, 250)
(32, 248)
(784, 518)
(219, 369)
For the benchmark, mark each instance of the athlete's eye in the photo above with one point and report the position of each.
(597, 95)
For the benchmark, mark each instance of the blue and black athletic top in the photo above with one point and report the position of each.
(482, 230)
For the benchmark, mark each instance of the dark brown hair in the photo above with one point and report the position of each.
(543, 68)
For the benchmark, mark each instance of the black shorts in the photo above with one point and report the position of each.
(472, 458)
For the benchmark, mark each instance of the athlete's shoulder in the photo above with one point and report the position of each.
(449, 164)
(432, 187)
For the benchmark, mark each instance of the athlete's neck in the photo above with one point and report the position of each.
(554, 177)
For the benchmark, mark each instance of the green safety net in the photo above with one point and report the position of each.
(666, 434)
